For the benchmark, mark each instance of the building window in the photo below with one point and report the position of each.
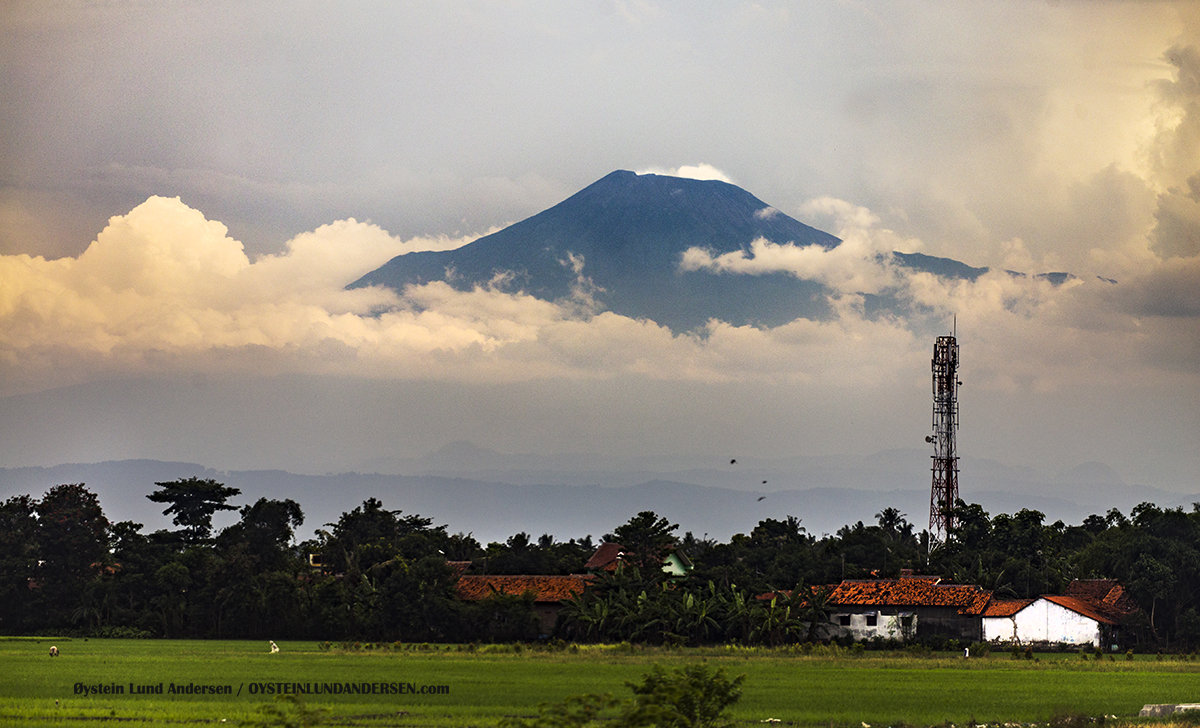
(872, 620)
(844, 620)
(908, 626)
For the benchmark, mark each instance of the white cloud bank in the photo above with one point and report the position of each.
(163, 290)
(860, 264)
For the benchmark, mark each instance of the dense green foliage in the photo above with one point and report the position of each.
(381, 575)
(193, 502)
(626, 605)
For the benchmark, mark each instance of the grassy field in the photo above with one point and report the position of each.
(456, 687)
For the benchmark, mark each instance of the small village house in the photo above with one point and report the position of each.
(1050, 619)
(908, 607)
(548, 592)
(1089, 612)
(610, 555)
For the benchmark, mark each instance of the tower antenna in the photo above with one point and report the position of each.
(944, 492)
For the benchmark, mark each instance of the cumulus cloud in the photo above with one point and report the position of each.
(165, 290)
(862, 263)
(163, 284)
(162, 289)
(1171, 289)
(852, 267)
(1177, 158)
(1026, 330)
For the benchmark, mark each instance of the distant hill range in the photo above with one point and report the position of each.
(621, 239)
(495, 496)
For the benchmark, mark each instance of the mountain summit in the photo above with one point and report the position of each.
(620, 241)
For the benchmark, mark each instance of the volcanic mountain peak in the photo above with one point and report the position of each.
(629, 232)
(623, 238)
(666, 214)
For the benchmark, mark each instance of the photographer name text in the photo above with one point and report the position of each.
(261, 688)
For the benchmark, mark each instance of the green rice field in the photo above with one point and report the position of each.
(168, 682)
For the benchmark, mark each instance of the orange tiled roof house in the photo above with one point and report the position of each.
(548, 592)
(1090, 612)
(906, 608)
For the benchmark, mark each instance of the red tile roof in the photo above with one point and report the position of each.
(1080, 607)
(1006, 607)
(979, 604)
(1119, 596)
(606, 557)
(911, 592)
(1106, 596)
(1090, 590)
(1009, 607)
(546, 588)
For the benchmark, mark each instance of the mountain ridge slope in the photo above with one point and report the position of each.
(621, 239)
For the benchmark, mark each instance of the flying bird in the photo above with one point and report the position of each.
(733, 462)
(761, 497)
(764, 482)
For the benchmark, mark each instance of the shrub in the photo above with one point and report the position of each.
(918, 650)
(688, 697)
(120, 633)
(290, 711)
(575, 711)
(1071, 720)
(980, 649)
(694, 696)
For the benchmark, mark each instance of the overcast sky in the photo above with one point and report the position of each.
(185, 188)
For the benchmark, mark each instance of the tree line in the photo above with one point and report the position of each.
(383, 575)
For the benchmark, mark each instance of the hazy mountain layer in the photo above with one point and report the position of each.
(824, 497)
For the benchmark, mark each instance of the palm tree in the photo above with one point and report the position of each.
(893, 524)
(815, 610)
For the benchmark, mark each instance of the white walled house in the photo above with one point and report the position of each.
(1054, 619)
(882, 623)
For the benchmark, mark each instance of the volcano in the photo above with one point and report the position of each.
(618, 243)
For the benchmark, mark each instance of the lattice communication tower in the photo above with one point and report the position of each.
(944, 492)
